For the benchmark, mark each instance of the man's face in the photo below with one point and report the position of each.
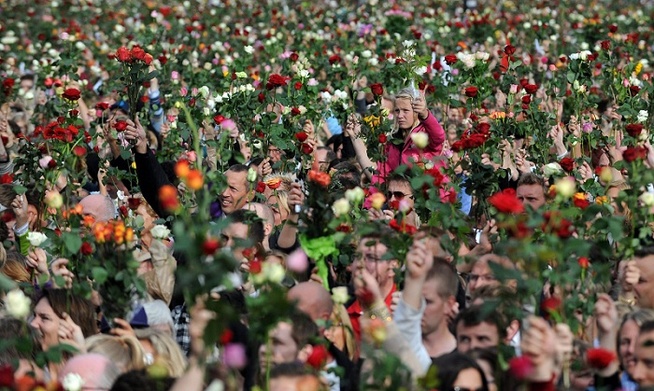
(372, 253)
(480, 275)
(532, 195)
(483, 335)
(436, 308)
(233, 236)
(282, 346)
(645, 287)
(235, 196)
(400, 191)
(404, 113)
(643, 372)
(321, 158)
(275, 154)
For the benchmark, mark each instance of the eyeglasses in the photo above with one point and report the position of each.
(398, 195)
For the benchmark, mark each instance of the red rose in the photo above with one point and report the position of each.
(634, 153)
(301, 136)
(634, 130)
(226, 337)
(382, 138)
(530, 88)
(147, 59)
(318, 357)
(86, 249)
(457, 146)
(275, 80)
(218, 119)
(73, 113)
(295, 111)
(551, 304)
(8, 84)
(123, 54)
(255, 266)
(79, 151)
(583, 262)
(451, 59)
(261, 187)
(138, 53)
(262, 96)
(294, 57)
(334, 59)
(298, 85)
(521, 367)
(435, 173)
(526, 99)
(476, 140)
(634, 90)
(210, 246)
(437, 65)
(120, 126)
(402, 227)
(606, 45)
(133, 203)
(567, 164)
(581, 203)
(471, 91)
(377, 89)
(509, 50)
(506, 202)
(306, 149)
(72, 94)
(483, 127)
(7, 376)
(613, 28)
(168, 197)
(102, 106)
(599, 358)
(7, 178)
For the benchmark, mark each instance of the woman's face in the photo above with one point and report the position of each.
(627, 344)
(469, 379)
(278, 210)
(45, 324)
(336, 333)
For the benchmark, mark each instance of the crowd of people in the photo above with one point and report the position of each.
(290, 197)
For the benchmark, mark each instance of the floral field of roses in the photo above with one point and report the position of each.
(519, 87)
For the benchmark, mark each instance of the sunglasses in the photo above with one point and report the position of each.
(398, 195)
(466, 389)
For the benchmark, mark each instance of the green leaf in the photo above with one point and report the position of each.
(100, 275)
(20, 189)
(73, 242)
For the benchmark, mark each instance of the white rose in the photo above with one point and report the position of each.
(204, 91)
(340, 295)
(574, 56)
(552, 169)
(407, 43)
(36, 238)
(273, 272)
(647, 199)
(160, 231)
(366, 54)
(642, 116)
(420, 70)
(252, 175)
(566, 187)
(341, 207)
(373, 61)
(420, 139)
(355, 195)
(17, 304)
(72, 382)
(248, 49)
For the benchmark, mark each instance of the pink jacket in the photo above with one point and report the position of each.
(408, 153)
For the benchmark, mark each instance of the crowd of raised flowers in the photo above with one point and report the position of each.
(332, 195)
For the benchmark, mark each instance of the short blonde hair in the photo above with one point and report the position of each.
(125, 351)
(167, 350)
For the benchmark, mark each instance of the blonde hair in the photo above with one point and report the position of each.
(166, 349)
(405, 93)
(125, 351)
(339, 313)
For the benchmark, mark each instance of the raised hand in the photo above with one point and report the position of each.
(419, 260)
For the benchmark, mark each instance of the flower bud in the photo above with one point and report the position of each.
(420, 139)
(566, 187)
(341, 207)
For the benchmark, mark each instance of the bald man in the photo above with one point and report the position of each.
(100, 207)
(313, 299)
(266, 214)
